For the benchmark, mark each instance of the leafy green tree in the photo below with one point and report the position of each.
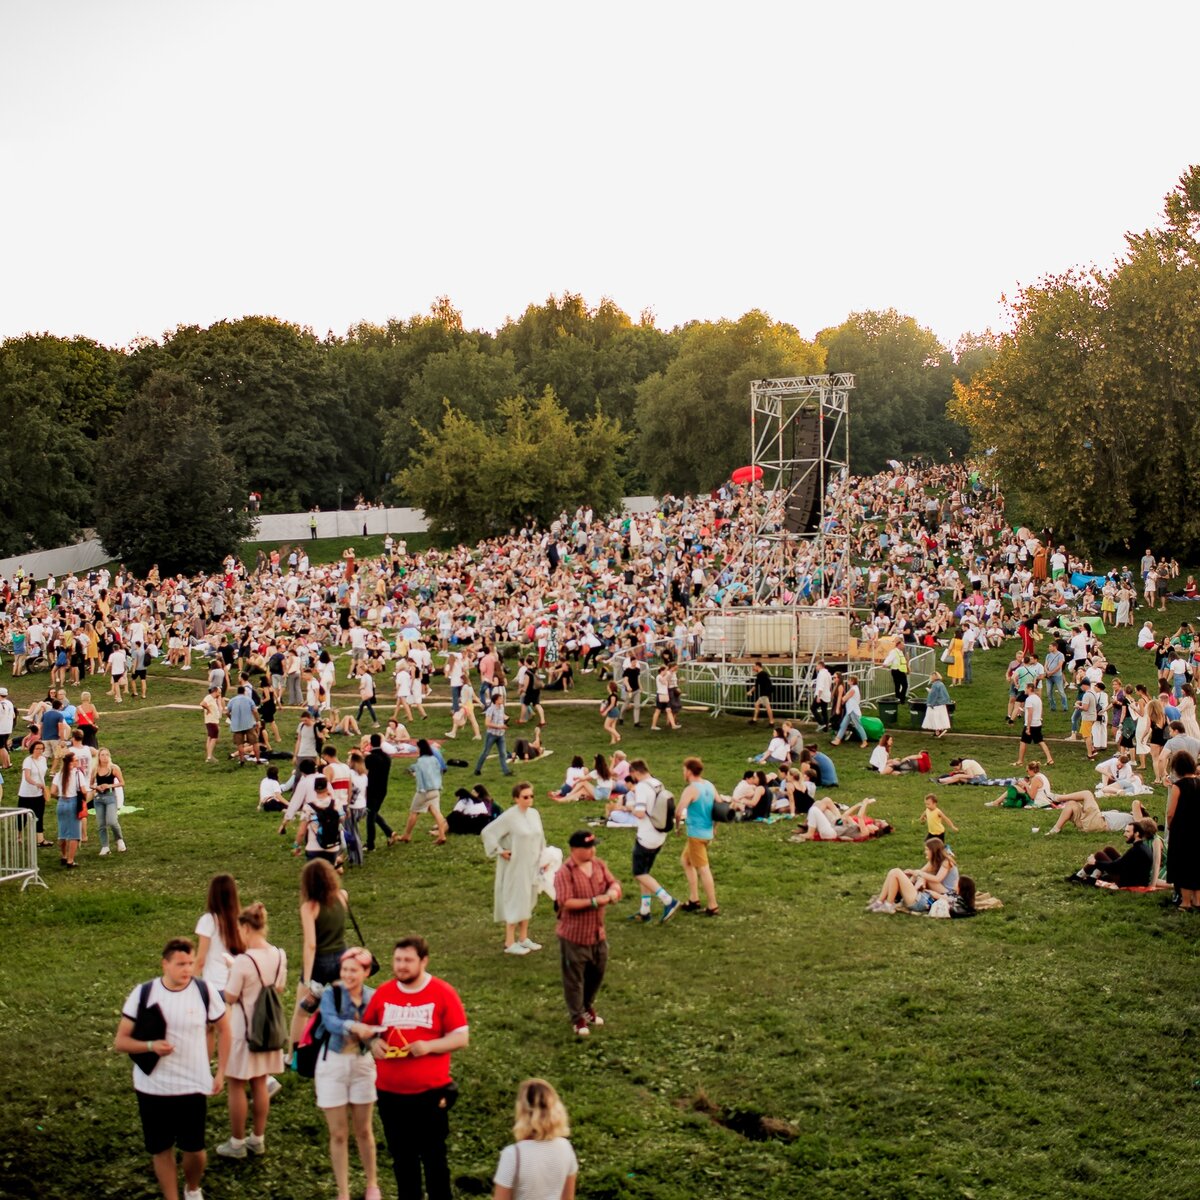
(169, 493)
(588, 356)
(280, 403)
(694, 418)
(473, 480)
(57, 396)
(1087, 415)
(904, 380)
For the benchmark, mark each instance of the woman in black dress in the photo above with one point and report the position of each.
(1183, 825)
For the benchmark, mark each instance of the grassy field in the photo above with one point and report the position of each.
(1043, 1050)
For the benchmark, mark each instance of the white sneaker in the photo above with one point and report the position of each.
(530, 944)
(121, 845)
(103, 851)
(273, 1085)
(188, 1194)
(230, 1149)
(516, 948)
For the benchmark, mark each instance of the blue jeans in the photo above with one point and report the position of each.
(105, 804)
(967, 656)
(455, 698)
(493, 739)
(851, 718)
(1054, 687)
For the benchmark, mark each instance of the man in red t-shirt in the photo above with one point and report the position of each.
(421, 1022)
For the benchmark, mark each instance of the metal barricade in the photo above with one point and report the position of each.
(18, 847)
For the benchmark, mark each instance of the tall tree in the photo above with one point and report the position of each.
(904, 380)
(694, 418)
(473, 480)
(1087, 414)
(169, 493)
(588, 356)
(57, 396)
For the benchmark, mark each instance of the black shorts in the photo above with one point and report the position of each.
(1033, 736)
(643, 858)
(173, 1121)
(4, 740)
(139, 674)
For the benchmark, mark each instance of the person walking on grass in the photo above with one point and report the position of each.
(427, 798)
(851, 714)
(583, 888)
(1032, 732)
(495, 724)
(695, 811)
(515, 839)
(648, 841)
(172, 1073)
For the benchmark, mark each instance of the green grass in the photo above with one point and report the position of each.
(1042, 1050)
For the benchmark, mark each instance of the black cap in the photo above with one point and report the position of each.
(582, 839)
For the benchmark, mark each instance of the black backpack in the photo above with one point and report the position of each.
(267, 1027)
(329, 825)
(150, 1025)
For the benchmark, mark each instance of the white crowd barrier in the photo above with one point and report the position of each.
(18, 848)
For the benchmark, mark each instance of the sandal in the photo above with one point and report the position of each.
(713, 912)
(691, 906)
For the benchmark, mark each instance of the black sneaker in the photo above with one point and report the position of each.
(645, 918)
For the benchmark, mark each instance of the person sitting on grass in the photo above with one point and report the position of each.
(778, 753)
(1109, 868)
(568, 791)
(1031, 792)
(751, 796)
(883, 761)
(822, 764)
(916, 889)
(1086, 816)
(596, 785)
(963, 770)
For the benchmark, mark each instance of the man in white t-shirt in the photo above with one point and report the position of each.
(1031, 732)
(173, 1095)
(648, 842)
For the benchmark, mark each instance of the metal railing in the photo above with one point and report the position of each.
(877, 680)
(18, 848)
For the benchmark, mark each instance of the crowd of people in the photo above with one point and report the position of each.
(936, 565)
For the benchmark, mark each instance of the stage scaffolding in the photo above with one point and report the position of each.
(790, 606)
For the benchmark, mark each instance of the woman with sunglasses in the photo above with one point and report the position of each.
(345, 1077)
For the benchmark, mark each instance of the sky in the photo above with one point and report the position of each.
(173, 163)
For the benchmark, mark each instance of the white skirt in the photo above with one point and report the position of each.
(937, 718)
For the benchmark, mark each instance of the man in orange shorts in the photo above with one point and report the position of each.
(695, 810)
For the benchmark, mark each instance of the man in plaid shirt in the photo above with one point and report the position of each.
(583, 888)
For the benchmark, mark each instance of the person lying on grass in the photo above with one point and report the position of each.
(827, 822)
(916, 889)
(1110, 868)
(1087, 817)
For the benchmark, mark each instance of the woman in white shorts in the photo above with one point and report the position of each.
(345, 1077)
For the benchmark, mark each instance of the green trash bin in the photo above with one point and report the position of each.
(873, 727)
(916, 713)
(889, 713)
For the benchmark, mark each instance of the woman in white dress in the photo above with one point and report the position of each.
(540, 1163)
(1123, 616)
(515, 839)
(1139, 707)
(1187, 712)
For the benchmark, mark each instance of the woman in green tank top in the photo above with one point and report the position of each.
(323, 908)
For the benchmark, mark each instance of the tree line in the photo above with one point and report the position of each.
(567, 403)
(1088, 412)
